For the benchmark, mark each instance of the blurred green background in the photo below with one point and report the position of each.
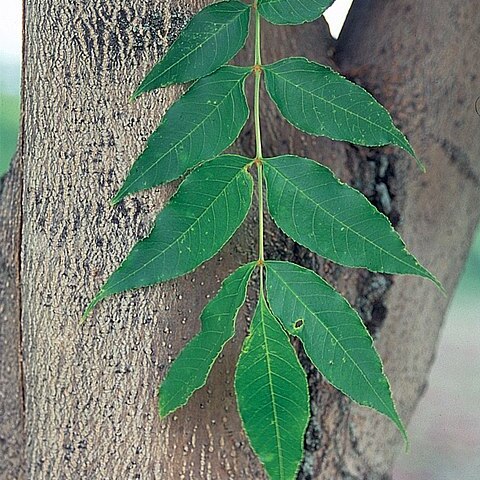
(9, 110)
(445, 430)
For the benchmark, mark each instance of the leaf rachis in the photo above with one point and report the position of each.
(304, 199)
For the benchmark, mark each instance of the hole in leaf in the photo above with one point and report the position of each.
(298, 324)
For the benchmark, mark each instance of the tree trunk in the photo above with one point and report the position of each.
(80, 402)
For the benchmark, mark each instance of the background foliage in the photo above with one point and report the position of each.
(9, 111)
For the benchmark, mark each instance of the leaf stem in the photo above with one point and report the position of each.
(258, 139)
(258, 75)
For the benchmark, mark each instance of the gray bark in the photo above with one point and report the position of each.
(80, 402)
(12, 401)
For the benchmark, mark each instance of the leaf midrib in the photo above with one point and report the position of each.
(346, 226)
(272, 393)
(393, 133)
(299, 299)
(200, 45)
(197, 126)
(227, 185)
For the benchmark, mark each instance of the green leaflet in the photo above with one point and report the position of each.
(190, 370)
(209, 206)
(333, 335)
(292, 12)
(319, 101)
(212, 37)
(272, 395)
(334, 220)
(199, 126)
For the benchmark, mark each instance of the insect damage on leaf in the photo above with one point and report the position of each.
(305, 200)
(333, 335)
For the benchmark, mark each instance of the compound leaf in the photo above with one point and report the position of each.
(319, 101)
(334, 220)
(209, 206)
(190, 369)
(332, 334)
(199, 126)
(211, 38)
(272, 395)
(292, 12)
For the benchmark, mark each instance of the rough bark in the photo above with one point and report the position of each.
(12, 438)
(87, 395)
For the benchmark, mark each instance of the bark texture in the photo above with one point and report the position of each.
(82, 403)
(12, 438)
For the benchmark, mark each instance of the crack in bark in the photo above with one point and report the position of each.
(374, 174)
(459, 157)
(21, 142)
